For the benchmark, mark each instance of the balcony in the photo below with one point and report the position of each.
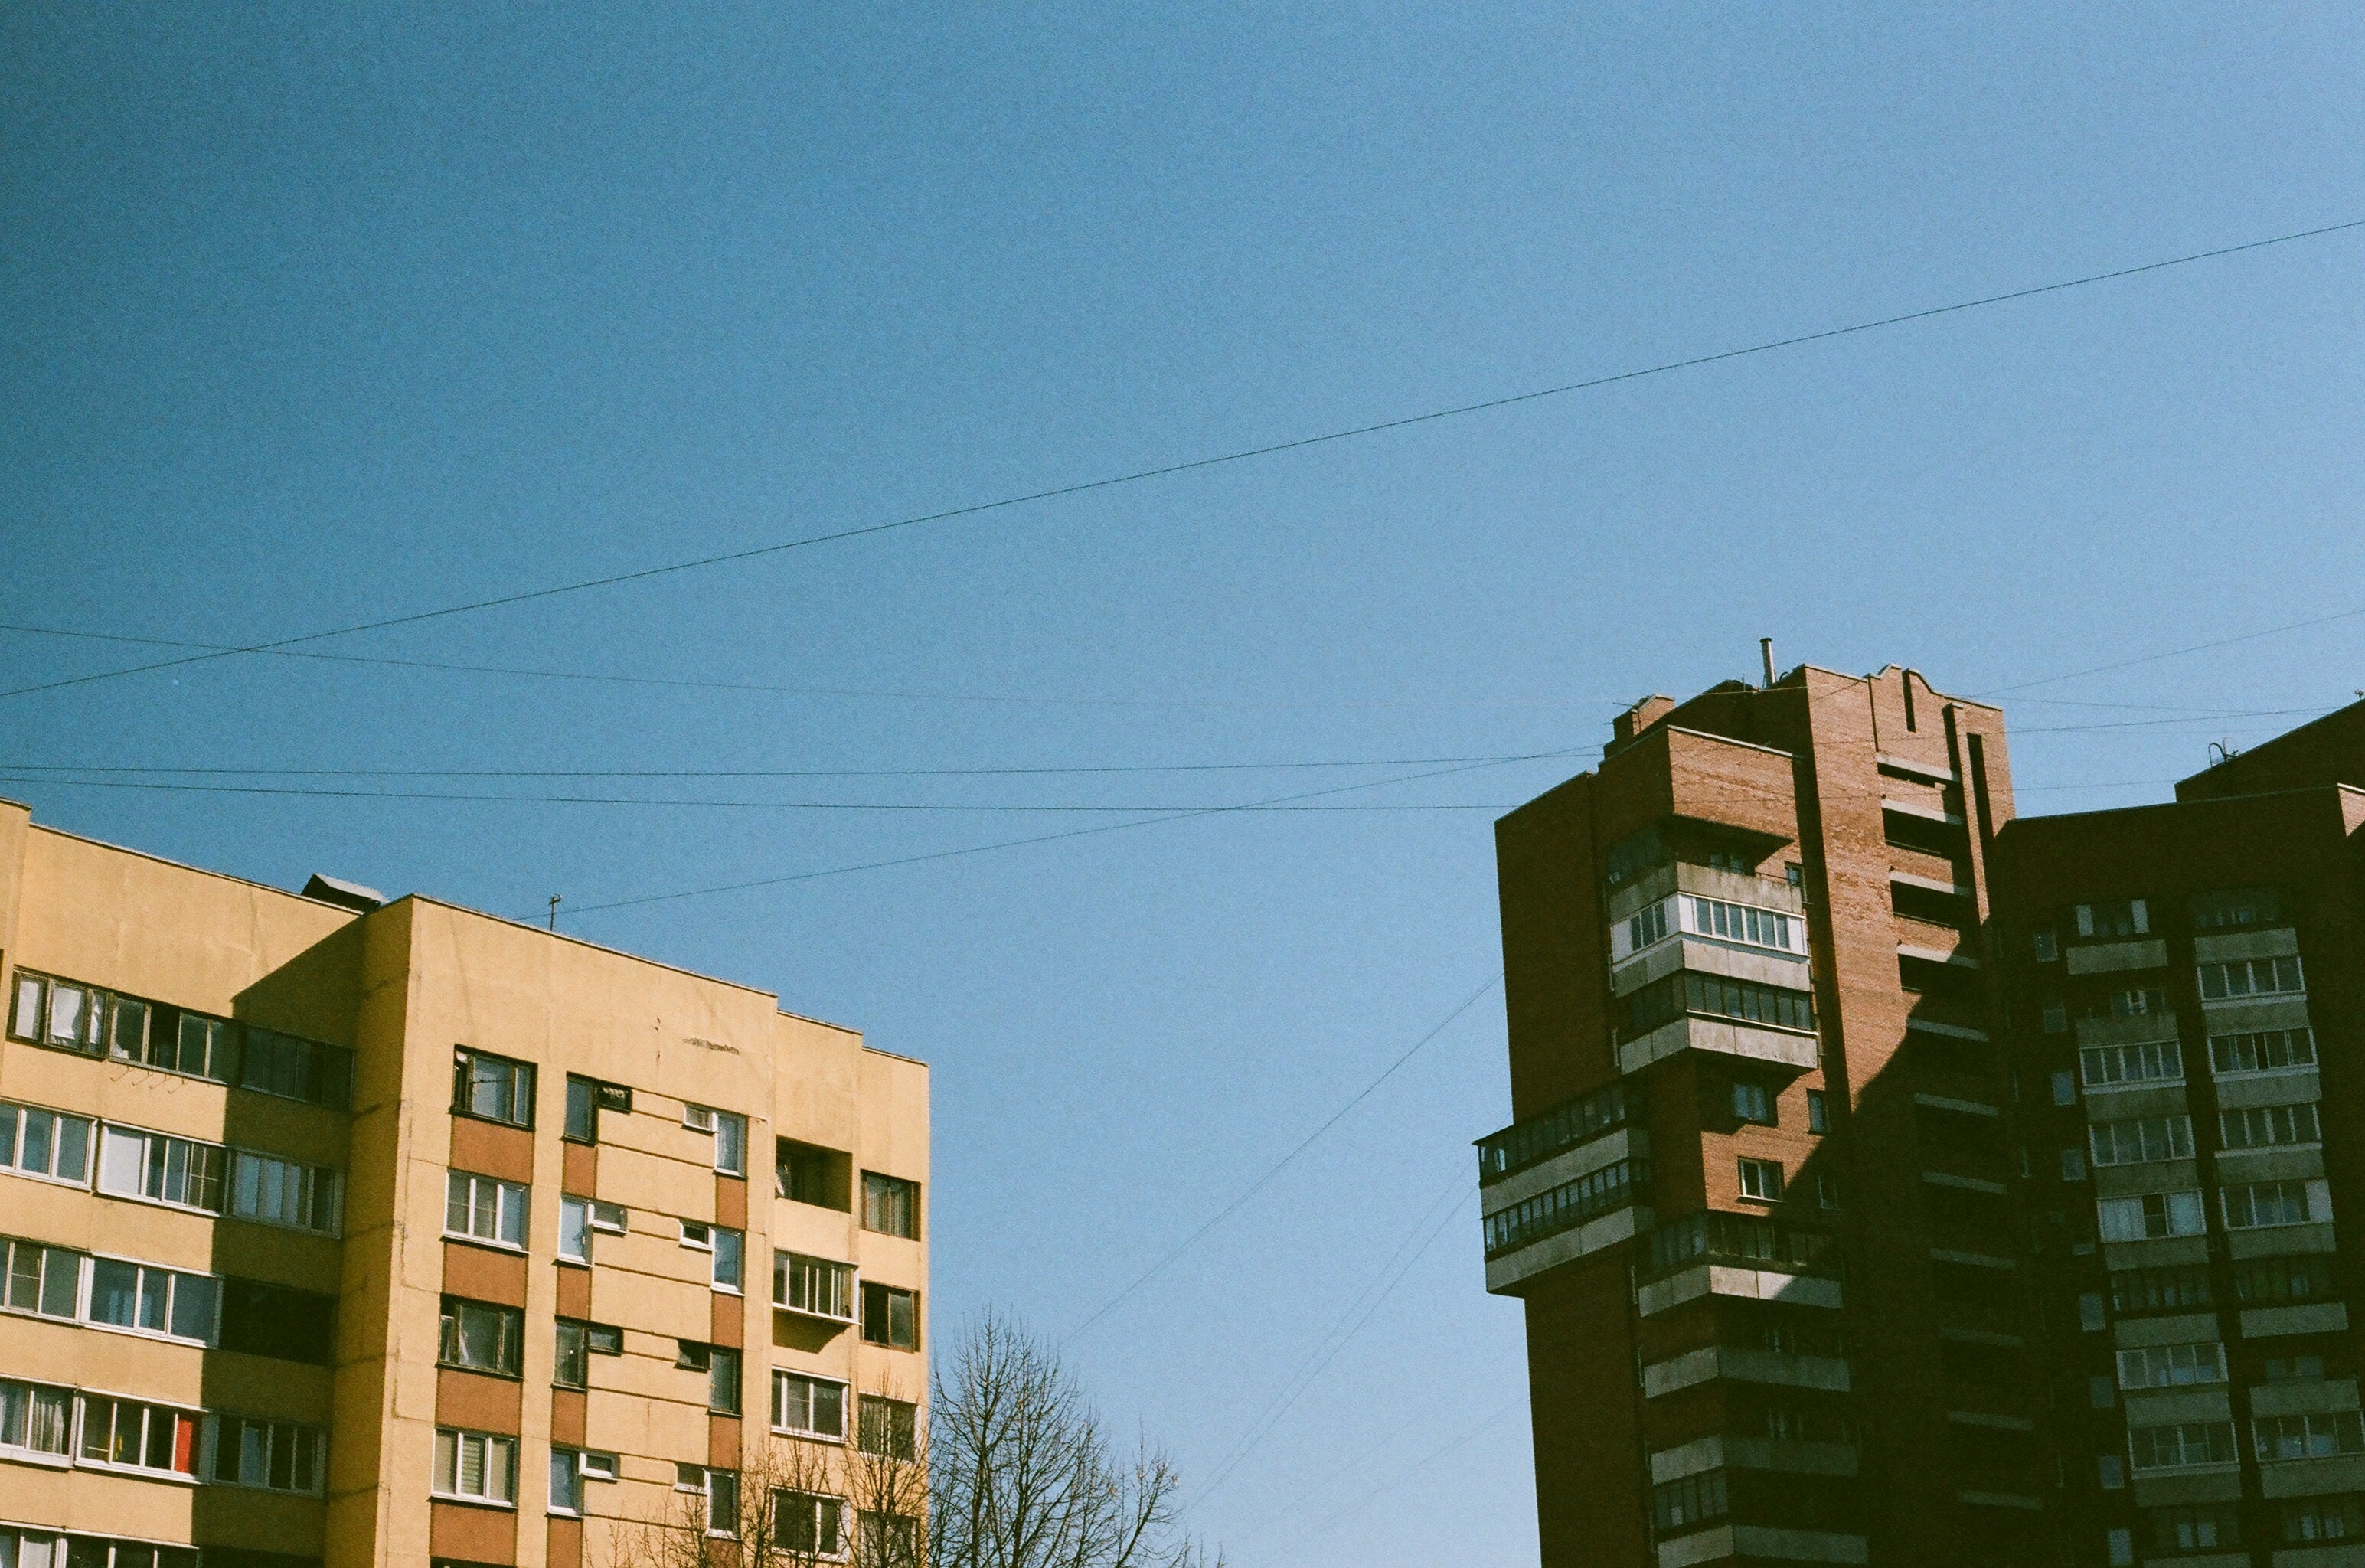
(1567, 1125)
(1533, 1227)
(1738, 1255)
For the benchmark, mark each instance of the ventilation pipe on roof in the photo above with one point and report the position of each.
(1766, 651)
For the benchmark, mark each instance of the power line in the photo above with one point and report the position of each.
(2172, 653)
(1039, 838)
(1243, 454)
(1278, 1166)
(1053, 809)
(866, 693)
(747, 772)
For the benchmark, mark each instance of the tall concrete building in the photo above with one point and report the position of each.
(1896, 1181)
(355, 1232)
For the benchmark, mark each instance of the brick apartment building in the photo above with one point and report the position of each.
(356, 1232)
(1896, 1181)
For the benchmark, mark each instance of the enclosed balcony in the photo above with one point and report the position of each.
(1715, 1253)
(1563, 1185)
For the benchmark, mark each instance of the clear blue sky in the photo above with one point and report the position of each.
(314, 316)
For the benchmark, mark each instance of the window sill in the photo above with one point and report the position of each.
(441, 1365)
(489, 1246)
(1762, 1203)
(460, 1115)
(474, 1501)
(148, 1334)
(812, 1315)
(35, 1456)
(53, 1181)
(565, 1262)
(137, 1471)
(729, 1289)
(808, 1437)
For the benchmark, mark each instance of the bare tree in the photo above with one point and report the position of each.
(1020, 1472)
(784, 1507)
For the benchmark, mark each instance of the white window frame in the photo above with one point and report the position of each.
(1752, 1168)
(87, 1296)
(2201, 1362)
(502, 1193)
(114, 1135)
(784, 1263)
(698, 1235)
(597, 1466)
(569, 1459)
(2186, 1205)
(734, 1253)
(574, 1222)
(311, 1188)
(460, 1437)
(84, 1398)
(783, 1377)
(12, 1147)
(59, 1459)
(613, 1218)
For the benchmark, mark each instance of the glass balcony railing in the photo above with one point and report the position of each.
(1562, 1127)
(1567, 1206)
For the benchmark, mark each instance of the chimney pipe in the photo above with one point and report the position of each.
(1765, 649)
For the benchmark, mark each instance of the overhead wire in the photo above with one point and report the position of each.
(1253, 1188)
(1193, 464)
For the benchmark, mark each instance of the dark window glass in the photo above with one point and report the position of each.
(888, 1427)
(890, 1316)
(890, 1205)
(582, 1110)
(278, 1320)
(723, 1382)
(481, 1336)
(572, 1367)
(492, 1088)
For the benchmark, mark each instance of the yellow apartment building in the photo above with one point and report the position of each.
(344, 1231)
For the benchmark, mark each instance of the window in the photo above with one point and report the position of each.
(2172, 1366)
(1827, 1189)
(276, 1456)
(2073, 1165)
(481, 1336)
(570, 1367)
(144, 1437)
(2143, 1138)
(693, 1355)
(890, 1316)
(889, 1427)
(2136, 1002)
(2196, 1527)
(2171, 1289)
(2307, 1278)
(2232, 908)
(483, 1209)
(814, 1286)
(2123, 917)
(283, 1192)
(175, 1171)
(2308, 1436)
(610, 1217)
(574, 1228)
(1743, 922)
(296, 1069)
(807, 1174)
(2250, 977)
(1762, 1180)
(46, 1280)
(1753, 1102)
(2264, 1051)
(2264, 1126)
(2321, 1518)
(2045, 944)
(605, 1340)
(730, 1132)
(888, 1540)
(1689, 1503)
(53, 1013)
(807, 1522)
(2100, 1393)
(492, 1088)
(148, 1300)
(35, 1419)
(598, 1466)
(2156, 1061)
(2065, 1088)
(2255, 1204)
(194, 1045)
(2090, 1313)
(723, 1382)
(1564, 1207)
(730, 1259)
(475, 1466)
(890, 1205)
(2110, 1471)
(1664, 1001)
(2294, 1368)
(582, 1126)
(279, 1321)
(1647, 926)
(720, 1490)
(808, 1407)
(2182, 1445)
(2150, 1216)
(698, 1235)
(2119, 1547)
(2054, 1018)
(566, 1481)
(34, 1142)
(1817, 1118)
